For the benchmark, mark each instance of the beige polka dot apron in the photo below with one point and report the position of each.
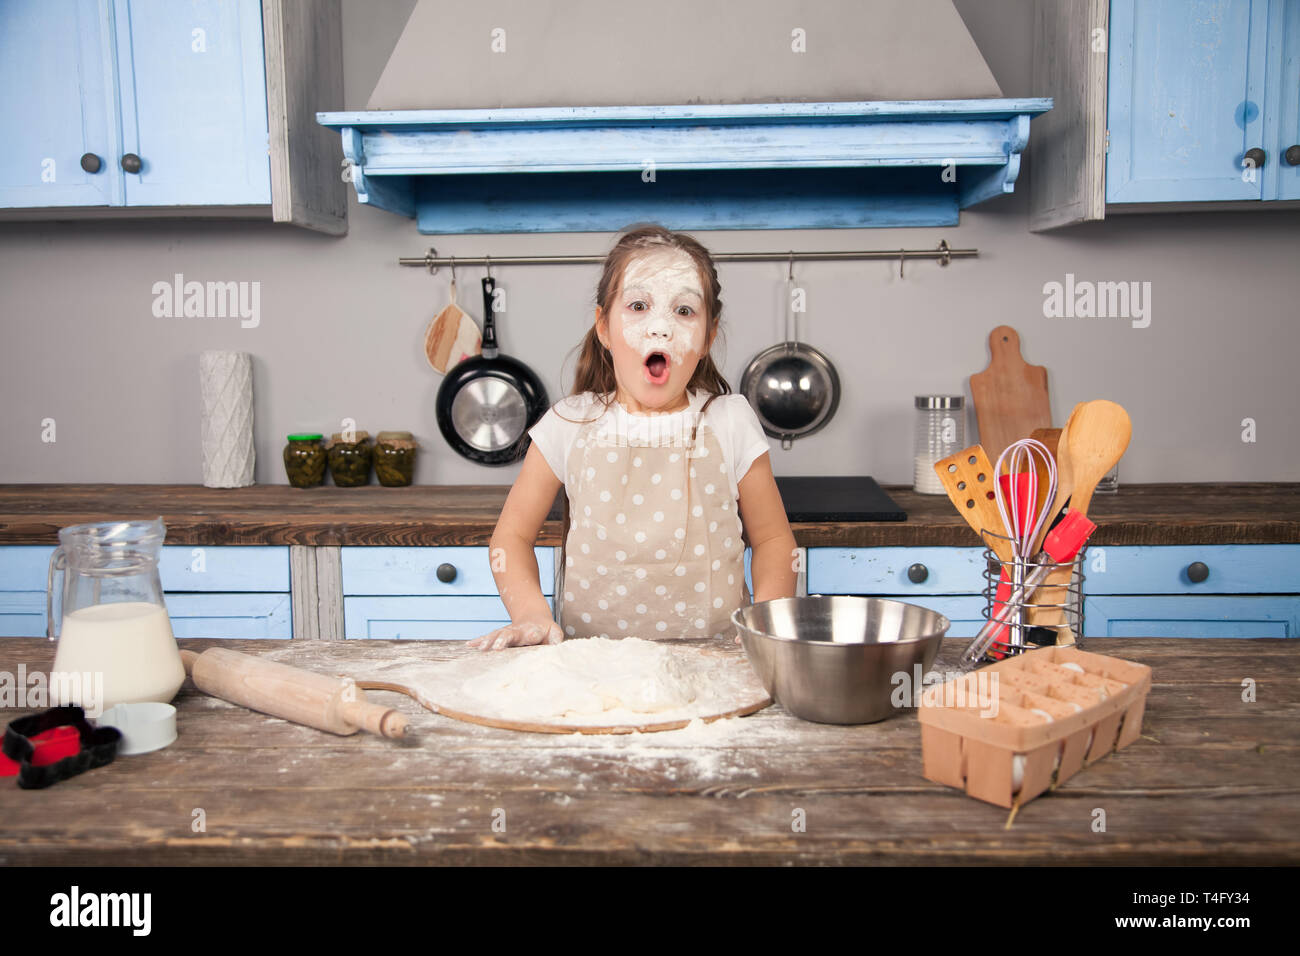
(654, 548)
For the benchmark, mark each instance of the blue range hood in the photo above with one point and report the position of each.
(838, 165)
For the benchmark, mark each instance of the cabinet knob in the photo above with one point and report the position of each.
(1197, 572)
(131, 163)
(1257, 157)
(91, 163)
(1292, 155)
(917, 573)
(446, 573)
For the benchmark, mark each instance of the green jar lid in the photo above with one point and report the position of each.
(306, 436)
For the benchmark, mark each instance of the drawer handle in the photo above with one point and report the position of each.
(131, 163)
(1197, 572)
(1257, 157)
(446, 573)
(90, 163)
(1292, 155)
(917, 573)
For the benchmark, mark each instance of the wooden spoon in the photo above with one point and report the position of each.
(1092, 443)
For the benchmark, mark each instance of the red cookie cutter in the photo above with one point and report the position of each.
(42, 749)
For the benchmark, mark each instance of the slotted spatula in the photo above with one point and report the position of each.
(968, 478)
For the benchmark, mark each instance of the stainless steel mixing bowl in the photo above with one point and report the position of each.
(832, 659)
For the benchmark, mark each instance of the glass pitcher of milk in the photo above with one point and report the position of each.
(115, 642)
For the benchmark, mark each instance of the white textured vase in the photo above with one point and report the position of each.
(226, 382)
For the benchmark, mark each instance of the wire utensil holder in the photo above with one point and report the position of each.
(1016, 638)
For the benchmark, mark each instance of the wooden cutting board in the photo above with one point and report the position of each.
(733, 691)
(1010, 395)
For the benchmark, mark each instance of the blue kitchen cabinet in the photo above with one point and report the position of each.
(1171, 105)
(946, 580)
(1194, 616)
(1186, 99)
(1286, 170)
(142, 108)
(179, 88)
(439, 593)
(1246, 590)
(217, 592)
(1167, 591)
(193, 97)
(59, 104)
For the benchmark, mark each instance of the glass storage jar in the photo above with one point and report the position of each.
(394, 458)
(350, 459)
(304, 460)
(940, 432)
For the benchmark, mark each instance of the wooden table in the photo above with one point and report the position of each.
(1213, 781)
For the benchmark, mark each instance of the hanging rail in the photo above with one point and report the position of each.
(431, 260)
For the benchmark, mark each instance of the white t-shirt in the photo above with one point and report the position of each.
(730, 417)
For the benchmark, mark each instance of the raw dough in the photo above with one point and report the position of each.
(590, 676)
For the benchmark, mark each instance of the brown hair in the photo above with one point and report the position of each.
(595, 369)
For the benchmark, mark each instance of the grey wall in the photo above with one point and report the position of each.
(342, 324)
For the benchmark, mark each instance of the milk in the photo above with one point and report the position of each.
(130, 643)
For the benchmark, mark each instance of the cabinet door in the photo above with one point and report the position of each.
(423, 618)
(1186, 99)
(1287, 84)
(414, 570)
(881, 571)
(1164, 569)
(240, 616)
(193, 102)
(56, 60)
(1162, 616)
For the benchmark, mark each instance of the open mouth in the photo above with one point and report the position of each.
(657, 365)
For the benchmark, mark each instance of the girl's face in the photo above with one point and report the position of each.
(656, 330)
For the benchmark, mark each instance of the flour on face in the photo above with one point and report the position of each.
(663, 281)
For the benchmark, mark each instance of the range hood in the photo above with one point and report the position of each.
(586, 116)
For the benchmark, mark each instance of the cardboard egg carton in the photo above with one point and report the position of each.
(1007, 732)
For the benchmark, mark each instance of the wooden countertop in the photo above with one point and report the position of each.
(1160, 514)
(1212, 781)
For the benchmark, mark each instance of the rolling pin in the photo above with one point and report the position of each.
(333, 704)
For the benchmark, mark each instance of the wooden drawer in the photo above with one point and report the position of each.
(1198, 616)
(882, 571)
(1234, 569)
(423, 618)
(965, 611)
(413, 571)
(22, 614)
(180, 568)
(244, 616)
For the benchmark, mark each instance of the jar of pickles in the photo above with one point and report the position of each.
(304, 460)
(350, 460)
(394, 458)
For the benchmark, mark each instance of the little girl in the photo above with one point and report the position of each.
(666, 473)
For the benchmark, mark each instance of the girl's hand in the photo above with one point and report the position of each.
(520, 634)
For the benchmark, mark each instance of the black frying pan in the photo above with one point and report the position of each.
(487, 403)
